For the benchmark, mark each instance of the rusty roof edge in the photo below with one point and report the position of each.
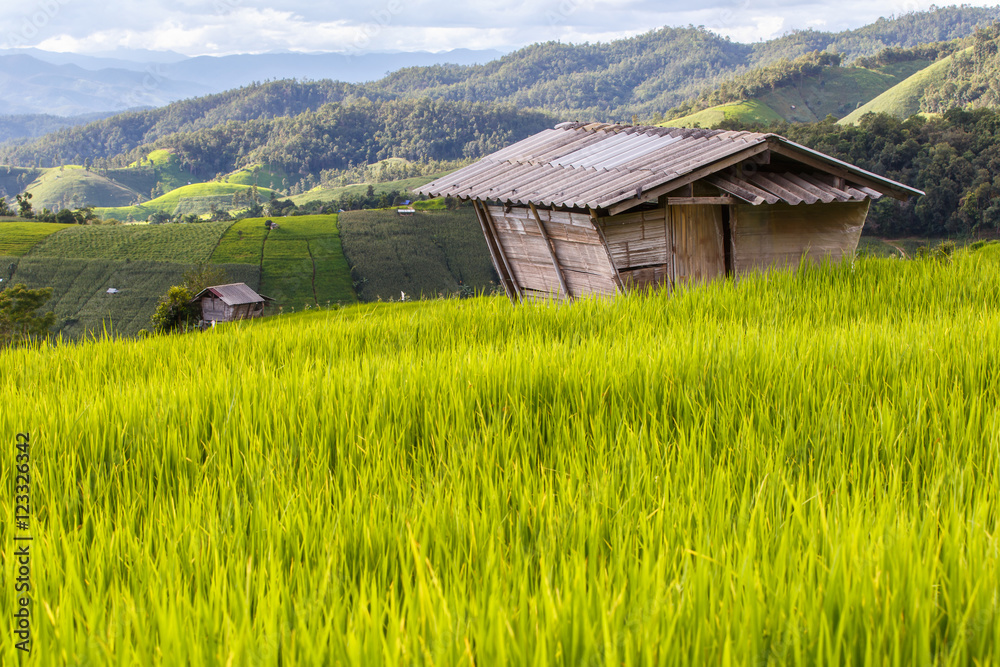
(840, 163)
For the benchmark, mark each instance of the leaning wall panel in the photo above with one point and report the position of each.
(780, 235)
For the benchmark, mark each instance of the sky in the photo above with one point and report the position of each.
(223, 27)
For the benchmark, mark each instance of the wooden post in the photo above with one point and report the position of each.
(496, 252)
(668, 221)
(604, 241)
(552, 253)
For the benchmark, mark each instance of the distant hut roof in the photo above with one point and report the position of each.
(617, 167)
(234, 294)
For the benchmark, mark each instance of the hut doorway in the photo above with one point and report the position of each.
(697, 242)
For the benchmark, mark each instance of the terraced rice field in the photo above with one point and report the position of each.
(795, 469)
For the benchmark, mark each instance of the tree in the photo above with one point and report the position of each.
(175, 310)
(19, 318)
(5, 208)
(66, 217)
(204, 275)
(24, 205)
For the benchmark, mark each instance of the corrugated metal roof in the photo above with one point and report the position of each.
(597, 165)
(234, 294)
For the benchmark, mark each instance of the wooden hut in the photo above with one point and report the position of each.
(592, 208)
(226, 303)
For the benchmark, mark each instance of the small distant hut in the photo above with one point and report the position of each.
(593, 208)
(226, 303)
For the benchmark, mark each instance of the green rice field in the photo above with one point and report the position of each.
(80, 298)
(17, 238)
(165, 243)
(799, 468)
(303, 263)
(424, 255)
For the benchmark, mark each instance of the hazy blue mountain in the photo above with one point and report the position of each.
(70, 90)
(225, 72)
(66, 84)
(28, 126)
(131, 59)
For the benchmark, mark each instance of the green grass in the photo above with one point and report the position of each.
(748, 111)
(165, 168)
(424, 255)
(798, 469)
(196, 198)
(74, 187)
(837, 91)
(326, 194)
(903, 99)
(260, 175)
(17, 238)
(185, 243)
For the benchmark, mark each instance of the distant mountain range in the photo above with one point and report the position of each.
(66, 84)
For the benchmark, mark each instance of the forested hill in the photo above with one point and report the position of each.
(643, 76)
(660, 69)
(973, 76)
(342, 135)
(905, 31)
(123, 133)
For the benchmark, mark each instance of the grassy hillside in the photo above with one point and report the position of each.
(903, 99)
(262, 176)
(300, 264)
(798, 469)
(75, 187)
(836, 91)
(328, 194)
(165, 167)
(18, 238)
(753, 112)
(424, 255)
(13, 180)
(805, 90)
(197, 199)
(80, 299)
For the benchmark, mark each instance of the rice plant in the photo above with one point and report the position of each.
(792, 469)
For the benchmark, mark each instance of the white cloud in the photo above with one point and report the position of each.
(762, 28)
(197, 27)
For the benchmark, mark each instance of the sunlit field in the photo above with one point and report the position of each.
(795, 469)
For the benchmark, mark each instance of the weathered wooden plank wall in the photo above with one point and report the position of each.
(213, 309)
(778, 235)
(667, 245)
(575, 243)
